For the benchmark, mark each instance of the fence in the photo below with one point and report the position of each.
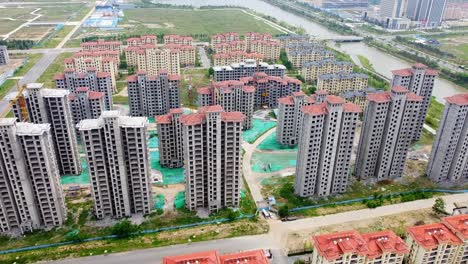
(144, 232)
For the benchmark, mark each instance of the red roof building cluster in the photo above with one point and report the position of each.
(432, 235)
(213, 257)
(459, 99)
(407, 72)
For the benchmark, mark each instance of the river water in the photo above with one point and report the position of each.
(381, 61)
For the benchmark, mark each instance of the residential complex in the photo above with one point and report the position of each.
(212, 143)
(187, 54)
(151, 95)
(292, 39)
(177, 39)
(31, 195)
(52, 107)
(145, 39)
(449, 157)
(118, 159)
(213, 257)
(336, 83)
(388, 128)
(458, 225)
(338, 4)
(358, 97)
(232, 96)
(96, 81)
(225, 47)
(152, 59)
(248, 68)
(325, 144)
(101, 45)
(418, 79)
(290, 118)
(86, 104)
(348, 247)
(251, 37)
(268, 89)
(224, 37)
(170, 145)
(270, 49)
(312, 70)
(102, 61)
(235, 57)
(4, 57)
(301, 53)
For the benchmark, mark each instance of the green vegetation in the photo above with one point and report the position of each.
(32, 59)
(284, 60)
(56, 37)
(434, 113)
(47, 78)
(366, 63)
(17, 44)
(194, 22)
(197, 78)
(124, 228)
(439, 206)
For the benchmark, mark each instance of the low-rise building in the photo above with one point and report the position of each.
(247, 68)
(145, 39)
(152, 95)
(230, 46)
(303, 52)
(224, 37)
(449, 156)
(336, 83)
(313, 69)
(235, 57)
(433, 243)
(86, 104)
(385, 247)
(187, 53)
(232, 96)
(177, 39)
(270, 49)
(4, 58)
(255, 36)
(213, 257)
(293, 39)
(152, 59)
(101, 45)
(170, 145)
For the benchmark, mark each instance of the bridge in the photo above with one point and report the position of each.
(345, 39)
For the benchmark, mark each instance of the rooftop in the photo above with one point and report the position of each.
(55, 92)
(333, 246)
(30, 129)
(232, 116)
(250, 257)
(432, 235)
(458, 224)
(384, 242)
(315, 110)
(459, 99)
(35, 85)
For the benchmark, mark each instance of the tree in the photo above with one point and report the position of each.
(232, 214)
(439, 206)
(283, 211)
(210, 72)
(124, 228)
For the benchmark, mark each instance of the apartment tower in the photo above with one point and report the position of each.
(169, 127)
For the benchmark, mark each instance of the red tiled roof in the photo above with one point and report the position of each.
(95, 95)
(248, 89)
(59, 76)
(163, 119)
(399, 89)
(314, 109)
(287, 100)
(459, 99)
(211, 109)
(68, 60)
(232, 116)
(403, 72)
(333, 246)
(351, 108)
(103, 74)
(420, 65)
(379, 97)
(69, 70)
(176, 111)
(250, 257)
(204, 90)
(414, 97)
(71, 97)
(192, 119)
(432, 235)
(132, 78)
(322, 92)
(384, 242)
(431, 72)
(458, 224)
(208, 257)
(333, 99)
(300, 93)
(173, 77)
(82, 89)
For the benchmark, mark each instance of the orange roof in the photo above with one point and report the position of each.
(403, 72)
(250, 257)
(248, 89)
(384, 242)
(232, 116)
(103, 74)
(351, 108)
(459, 99)
(176, 111)
(333, 99)
(210, 109)
(315, 110)
(333, 246)
(59, 76)
(208, 257)
(414, 97)
(204, 90)
(432, 235)
(399, 89)
(458, 224)
(379, 97)
(132, 78)
(163, 119)
(287, 100)
(420, 65)
(192, 119)
(95, 95)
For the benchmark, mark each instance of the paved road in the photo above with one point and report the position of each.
(36, 51)
(59, 46)
(205, 61)
(155, 255)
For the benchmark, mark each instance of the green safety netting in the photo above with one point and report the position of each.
(170, 176)
(153, 140)
(159, 201)
(258, 128)
(242, 193)
(270, 143)
(268, 181)
(83, 178)
(151, 120)
(271, 162)
(179, 201)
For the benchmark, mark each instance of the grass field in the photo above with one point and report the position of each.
(63, 13)
(192, 22)
(32, 33)
(57, 38)
(11, 18)
(457, 45)
(56, 67)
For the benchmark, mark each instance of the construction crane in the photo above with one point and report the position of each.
(215, 93)
(19, 98)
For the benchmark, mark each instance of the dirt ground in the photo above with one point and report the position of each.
(12, 65)
(169, 192)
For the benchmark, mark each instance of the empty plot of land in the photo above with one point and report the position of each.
(62, 13)
(11, 18)
(458, 46)
(193, 22)
(31, 32)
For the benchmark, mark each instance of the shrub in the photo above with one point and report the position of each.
(124, 228)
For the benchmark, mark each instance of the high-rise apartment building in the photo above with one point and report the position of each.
(145, 39)
(31, 195)
(52, 106)
(187, 54)
(101, 45)
(152, 59)
(236, 57)
(312, 70)
(170, 145)
(325, 145)
(4, 58)
(428, 12)
(232, 96)
(246, 69)
(212, 141)
(226, 47)
(255, 36)
(151, 95)
(303, 52)
(86, 104)
(389, 124)
(224, 37)
(268, 89)
(96, 81)
(118, 162)
(358, 97)
(449, 156)
(336, 83)
(270, 49)
(177, 39)
(418, 79)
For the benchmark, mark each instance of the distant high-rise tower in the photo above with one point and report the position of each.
(428, 12)
(212, 142)
(325, 145)
(153, 95)
(53, 106)
(119, 168)
(420, 80)
(86, 104)
(449, 157)
(387, 131)
(31, 195)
